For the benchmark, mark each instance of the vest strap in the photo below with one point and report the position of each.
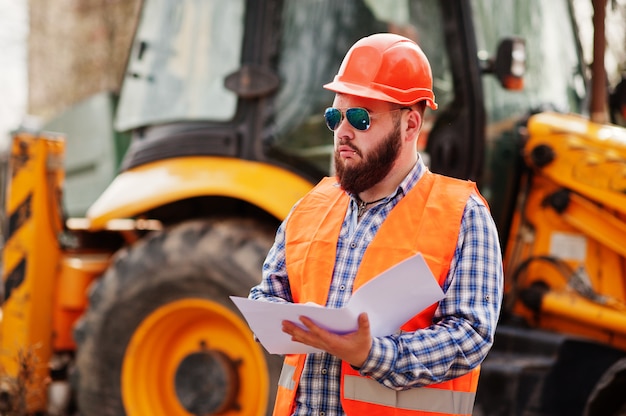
(425, 399)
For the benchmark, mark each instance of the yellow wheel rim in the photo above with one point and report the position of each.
(161, 348)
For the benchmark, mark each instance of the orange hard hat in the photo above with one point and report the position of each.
(386, 67)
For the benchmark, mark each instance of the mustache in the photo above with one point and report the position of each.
(350, 145)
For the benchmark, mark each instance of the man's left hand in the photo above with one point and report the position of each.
(353, 347)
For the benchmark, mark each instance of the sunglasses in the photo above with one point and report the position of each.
(358, 117)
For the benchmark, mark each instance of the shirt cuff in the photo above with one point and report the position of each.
(381, 359)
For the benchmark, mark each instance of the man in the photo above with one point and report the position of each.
(382, 207)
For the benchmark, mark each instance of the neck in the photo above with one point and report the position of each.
(385, 187)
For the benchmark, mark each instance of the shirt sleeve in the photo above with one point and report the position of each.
(274, 286)
(464, 323)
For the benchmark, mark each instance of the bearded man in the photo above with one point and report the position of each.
(383, 206)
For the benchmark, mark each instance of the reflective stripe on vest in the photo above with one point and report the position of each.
(420, 399)
(286, 377)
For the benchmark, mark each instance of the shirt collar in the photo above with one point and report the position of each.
(413, 176)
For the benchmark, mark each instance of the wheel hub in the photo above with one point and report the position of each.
(207, 383)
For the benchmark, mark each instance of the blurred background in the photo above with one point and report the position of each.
(56, 53)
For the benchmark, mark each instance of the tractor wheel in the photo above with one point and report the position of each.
(607, 397)
(162, 337)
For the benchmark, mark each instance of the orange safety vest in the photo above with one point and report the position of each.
(426, 220)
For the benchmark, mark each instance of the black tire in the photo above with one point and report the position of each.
(204, 260)
(608, 397)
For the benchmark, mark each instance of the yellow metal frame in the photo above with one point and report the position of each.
(152, 185)
(31, 256)
(77, 272)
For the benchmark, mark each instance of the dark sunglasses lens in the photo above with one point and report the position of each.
(359, 118)
(332, 117)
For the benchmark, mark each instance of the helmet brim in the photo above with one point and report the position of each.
(343, 87)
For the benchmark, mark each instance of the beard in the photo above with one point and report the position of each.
(374, 167)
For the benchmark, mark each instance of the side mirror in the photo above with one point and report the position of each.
(252, 82)
(509, 65)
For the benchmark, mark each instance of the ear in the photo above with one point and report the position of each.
(413, 125)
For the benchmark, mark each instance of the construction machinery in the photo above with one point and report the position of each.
(126, 311)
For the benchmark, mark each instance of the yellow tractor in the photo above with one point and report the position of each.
(126, 310)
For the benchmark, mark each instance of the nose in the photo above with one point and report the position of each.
(344, 131)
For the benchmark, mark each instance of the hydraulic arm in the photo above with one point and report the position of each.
(566, 258)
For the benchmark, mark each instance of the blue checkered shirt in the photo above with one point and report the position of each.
(463, 325)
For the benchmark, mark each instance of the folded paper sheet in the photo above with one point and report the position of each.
(391, 299)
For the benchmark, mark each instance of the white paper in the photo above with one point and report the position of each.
(390, 300)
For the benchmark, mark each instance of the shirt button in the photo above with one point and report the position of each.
(342, 287)
(322, 413)
(324, 371)
(353, 245)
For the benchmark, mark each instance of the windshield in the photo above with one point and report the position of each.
(553, 81)
(315, 37)
(182, 52)
(554, 78)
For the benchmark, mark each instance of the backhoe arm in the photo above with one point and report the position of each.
(566, 258)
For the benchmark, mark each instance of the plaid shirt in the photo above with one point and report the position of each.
(463, 325)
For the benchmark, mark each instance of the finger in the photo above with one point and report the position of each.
(313, 329)
(290, 328)
(364, 322)
(308, 323)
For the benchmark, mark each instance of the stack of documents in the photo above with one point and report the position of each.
(389, 300)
